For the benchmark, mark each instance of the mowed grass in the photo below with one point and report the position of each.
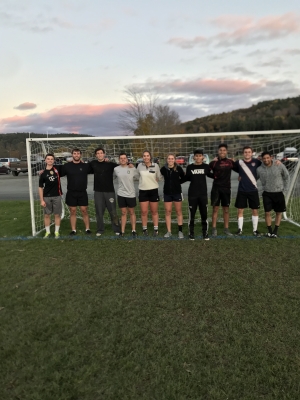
(147, 319)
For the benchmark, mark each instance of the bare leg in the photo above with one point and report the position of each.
(132, 218)
(226, 217)
(144, 212)
(168, 212)
(123, 218)
(268, 218)
(73, 217)
(178, 210)
(215, 216)
(85, 216)
(57, 219)
(154, 212)
(47, 220)
(278, 218)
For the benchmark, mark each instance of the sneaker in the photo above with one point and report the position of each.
(134, 234)
(122, 234)
(274, 236)
(239, 232)
(72, 233)
(155, 233)
(205, 236)
(98, 234)
(88, 232)
(227, 232)
(167, 235)
(56, 235)
(180, 235)
(47, 235)
(268, 234)
(256, 233)
(145, 232)
(214, 232)
(191, 236)
(118, 233)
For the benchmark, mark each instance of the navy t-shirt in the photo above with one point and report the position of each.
(245, 184)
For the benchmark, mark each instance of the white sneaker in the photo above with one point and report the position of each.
(180, 235)
(168, 235)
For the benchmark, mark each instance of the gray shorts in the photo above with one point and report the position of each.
(53, 205)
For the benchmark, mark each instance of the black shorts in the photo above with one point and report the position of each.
(149, 195)
(74, 199)
(274, 201)
(172, 197)
(124, 202)
(245, 198)
(220, 195)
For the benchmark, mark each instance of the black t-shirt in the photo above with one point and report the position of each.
(103, 175)
(221, 169)
(50, 182)
(77, 175)
(173, 179)
(197, 175)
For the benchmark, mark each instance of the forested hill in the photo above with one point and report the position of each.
(266, 115)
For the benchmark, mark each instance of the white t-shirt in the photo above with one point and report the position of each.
(149, 176)
(125, 177)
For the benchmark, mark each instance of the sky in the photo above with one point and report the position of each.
(65, 65)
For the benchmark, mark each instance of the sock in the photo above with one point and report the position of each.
(276, 229)
(156, 228)
(144, 228)
(254, 222)
(240, 223)
(133, 230)
(47, 229)
(57, 228)
(179, 228)
(269, 229)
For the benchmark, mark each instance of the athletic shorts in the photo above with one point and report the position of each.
(172, 197)
(219, 195)
(53, 205)
(74, 199)
(243, 199)
(124, 202)
(149, 195)
(274, 201)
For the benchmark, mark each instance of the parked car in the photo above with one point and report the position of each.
(181, 160)
(37, 163)
(4, 169)
(206, 159)
(290, 157)
(6, 161)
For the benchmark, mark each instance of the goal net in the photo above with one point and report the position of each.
(182, 145)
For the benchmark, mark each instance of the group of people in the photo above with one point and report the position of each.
(273, 175)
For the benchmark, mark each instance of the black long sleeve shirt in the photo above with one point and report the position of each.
(197, 174)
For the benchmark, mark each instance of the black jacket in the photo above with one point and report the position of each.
(173, 179)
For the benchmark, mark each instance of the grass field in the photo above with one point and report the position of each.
(147, 319)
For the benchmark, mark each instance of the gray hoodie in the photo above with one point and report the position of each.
(274, 178)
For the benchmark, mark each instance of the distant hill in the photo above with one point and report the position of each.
(267, 115)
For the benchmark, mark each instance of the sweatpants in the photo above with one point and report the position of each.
(194, 203)
(105, 200)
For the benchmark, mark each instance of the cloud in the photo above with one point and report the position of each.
(97, 120)
(26, 106)
(243, 30)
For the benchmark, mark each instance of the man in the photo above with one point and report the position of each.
(104, 191)
(247, 194)
(76, 172)
(197, 194)
(221, 189)
(50, 195)
(126, 193)
(274, 179)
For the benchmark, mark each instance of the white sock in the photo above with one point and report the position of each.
(156, 228)
(47, 229)
(254, 222)
(57, 228)
(144, 228)
(240, 223)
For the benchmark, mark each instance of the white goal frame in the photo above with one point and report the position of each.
(223, 135)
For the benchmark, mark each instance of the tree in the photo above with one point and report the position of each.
(144, 115)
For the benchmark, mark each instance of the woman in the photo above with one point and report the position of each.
(148, 191)
(173, 175)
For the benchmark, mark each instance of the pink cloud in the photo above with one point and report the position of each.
(25, 106)
(244, 30)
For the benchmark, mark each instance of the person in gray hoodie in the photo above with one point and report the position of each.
(275, 181)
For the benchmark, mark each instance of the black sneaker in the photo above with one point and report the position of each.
(134, 234)
(72, 233)
(205, 236)
(239, 232)
(155, 232)
(256, 233)
(88, 232)
(191, 236)
(274, 236)
(268, 234)
(145, 232)
(122, 234)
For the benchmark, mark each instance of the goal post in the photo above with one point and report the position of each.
(160, 145)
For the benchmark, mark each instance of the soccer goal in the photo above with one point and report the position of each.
(181, 145)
